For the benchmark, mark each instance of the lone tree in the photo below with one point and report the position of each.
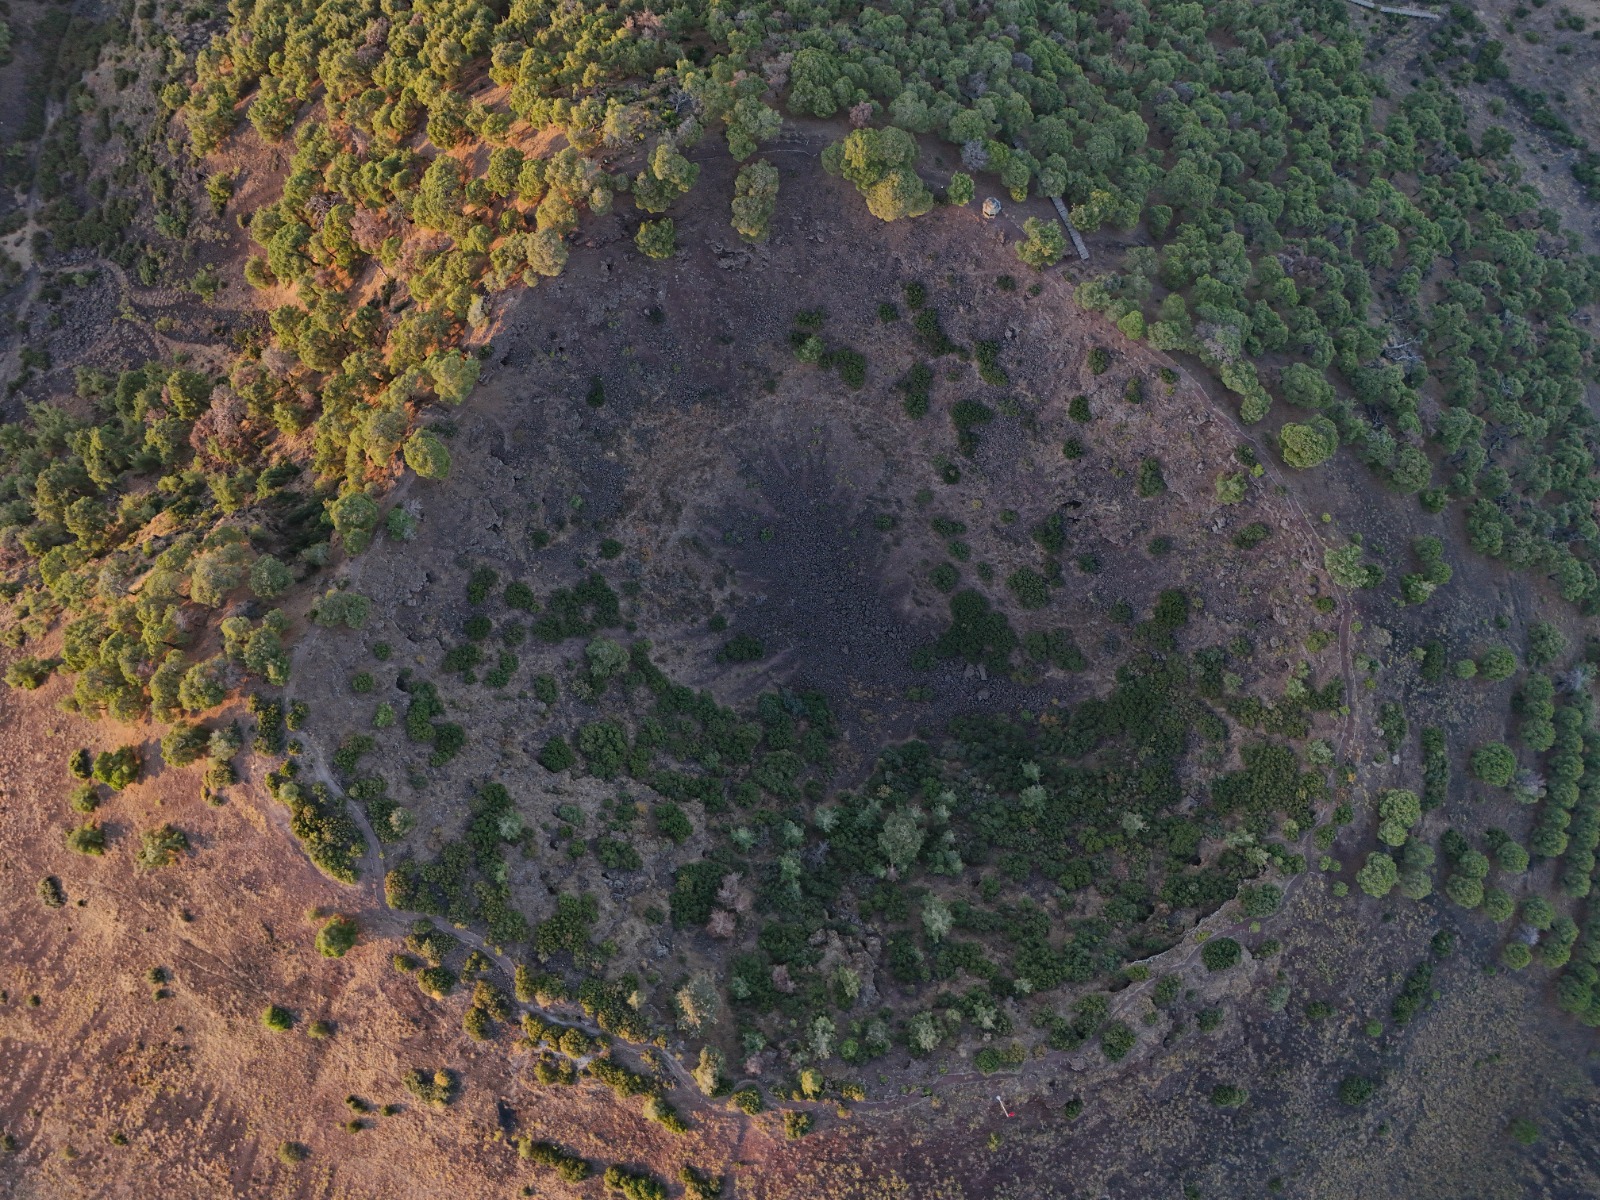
(336, 938)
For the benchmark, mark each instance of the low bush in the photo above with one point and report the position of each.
(277, 1018)
(160, 847)
(88, 838)
(1220, 953)
(337, 937)
(437, 1088)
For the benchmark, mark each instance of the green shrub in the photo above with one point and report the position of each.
(1260, 901)
(616, 855)
(437, 1088)
(337, 937)
(1497, 663)
(556, 755)
(747, 1100)
(118, 768)
(1356, 1090)
(1252, 535)
(1117, 1039)
(436, 981)
(160, 847)
(1220, 953)
(1308, 445)
(547, 1154)
(657, 239)
(1150, 481)
(604, 747)
(183, 744)
(277, 1019)
(634, 1185)
(742, 648)
(1227, 1095)
(88, 838)
(672, 823)
(1029, 587)
(1523, 1131)
(29, 674)
(1516, 955)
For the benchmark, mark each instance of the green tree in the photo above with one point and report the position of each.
(441, 197)
(961, 190)
(217, 572)
(88, 838)
(1495, 763)
(350, 609)
(1545, 644)
(355, 519)
(657, 239)
(880, 162)
(427, 455)
(547, 253)
(269, 578)
(1412, 471)
(160, 847)
(204, 685)
(1043, 243)
(750, 123)
(900, 839)
(755, 198)
(1305, 387)
(337, 937)
(1498, 663)
(1379, 876)
(454, 373)
(183, 744)
(119, 768)
(1305, 446)
(1464, 890)
(1346, 568)
(666, 176)
(1398, 811)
